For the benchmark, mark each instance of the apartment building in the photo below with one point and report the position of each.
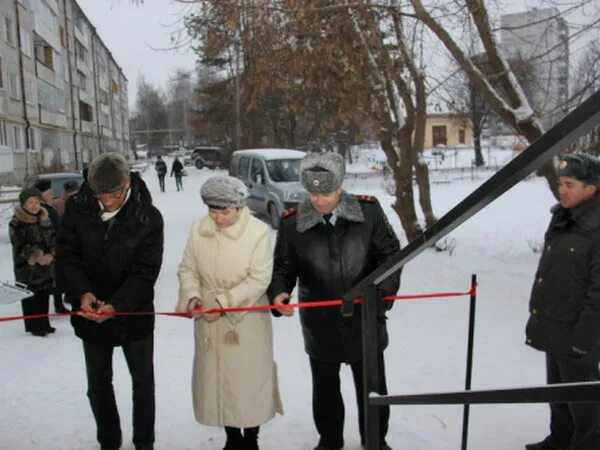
(537, 44)
(63, 97)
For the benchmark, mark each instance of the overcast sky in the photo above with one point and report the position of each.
(139, 37)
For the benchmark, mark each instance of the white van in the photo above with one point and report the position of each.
(273, 179)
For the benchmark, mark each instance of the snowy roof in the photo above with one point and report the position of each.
(272, 153)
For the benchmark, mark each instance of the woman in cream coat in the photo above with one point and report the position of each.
(227, 263)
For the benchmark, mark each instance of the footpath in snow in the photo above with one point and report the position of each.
(43, 399)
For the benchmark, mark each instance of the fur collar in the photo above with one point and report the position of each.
(348, 209)
(25, 217)
(206, 226)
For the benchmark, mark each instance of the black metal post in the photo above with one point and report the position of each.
(370, 367)
(469, 370)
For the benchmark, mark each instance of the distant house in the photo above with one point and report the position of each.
(447, 129)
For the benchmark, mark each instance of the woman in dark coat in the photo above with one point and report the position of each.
(32, 237)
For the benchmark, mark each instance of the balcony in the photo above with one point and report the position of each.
(82, 66)
(52, 118)
(87, 127)
(44, 73)
(85, 97)
(3, 105)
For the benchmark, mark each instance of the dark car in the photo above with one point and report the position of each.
(209, 156)
(56, 179)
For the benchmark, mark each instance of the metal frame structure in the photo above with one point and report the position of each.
(574, 125)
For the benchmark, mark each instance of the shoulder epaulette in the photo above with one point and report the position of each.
(366, 198)
(288, 212)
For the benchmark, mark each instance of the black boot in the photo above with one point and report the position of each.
(544, 445)
(234, 439)
(251, 438)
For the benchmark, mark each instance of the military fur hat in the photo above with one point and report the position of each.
(108, 172)
(224, 192)
(322, 172)
(582, 167)
(28, 193)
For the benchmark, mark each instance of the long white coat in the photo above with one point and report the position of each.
(234, 379)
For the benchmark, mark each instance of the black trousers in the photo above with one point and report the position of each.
(98, 362)
(328, 404)
(38, 304)
(161, 182)
(573, 426)
(179, 182)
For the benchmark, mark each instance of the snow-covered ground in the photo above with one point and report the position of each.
(43, 401)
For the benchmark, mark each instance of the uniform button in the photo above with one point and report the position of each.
(548, 247)
(571, 249)
(534, 311)
(540, 279)
(529, 341)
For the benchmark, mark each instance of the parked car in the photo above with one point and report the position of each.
(273, 179)
(56, 179)
(207, 156)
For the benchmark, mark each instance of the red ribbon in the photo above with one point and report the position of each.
(314, 304)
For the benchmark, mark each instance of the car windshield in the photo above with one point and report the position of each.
(282, 170)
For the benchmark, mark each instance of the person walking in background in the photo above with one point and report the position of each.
(329, 243)
(228, 262)
(564, 307)
(161, 171)
(32, 236)
(177, 170)
(109, 254)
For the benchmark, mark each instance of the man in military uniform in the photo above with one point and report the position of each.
(564, 307)
(332, 241)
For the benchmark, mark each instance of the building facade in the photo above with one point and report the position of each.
(536, 42)
(63, 97)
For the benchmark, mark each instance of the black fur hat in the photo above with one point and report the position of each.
(29, 192)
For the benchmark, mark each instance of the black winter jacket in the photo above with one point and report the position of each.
(118, 261)
(565, 298)
(327, 261)
(31, 236)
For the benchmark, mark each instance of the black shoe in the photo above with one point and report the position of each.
(40, 333)
(544, 445)
(50, 330)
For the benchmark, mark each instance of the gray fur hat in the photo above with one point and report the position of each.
(322, 172)
(224, 192)
(108, 172)
(582, 167)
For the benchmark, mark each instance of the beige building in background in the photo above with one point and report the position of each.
(448, 129)
(63, 97)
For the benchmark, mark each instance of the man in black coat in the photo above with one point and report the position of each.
(564, 307)
(177, 169)
(333, 240)
(109, 253)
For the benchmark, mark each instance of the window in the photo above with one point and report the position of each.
(13, 86)
(3, 135)
(44, 53)
(82, 81)
(63, 37)
(86, 112)
(80, 51)
(31, 138)
(17, 137)
(26, 45)
(1, 75)
(461, 136)
(29, 91)
(10, 32)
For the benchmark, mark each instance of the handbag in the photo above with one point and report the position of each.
(11, 293)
